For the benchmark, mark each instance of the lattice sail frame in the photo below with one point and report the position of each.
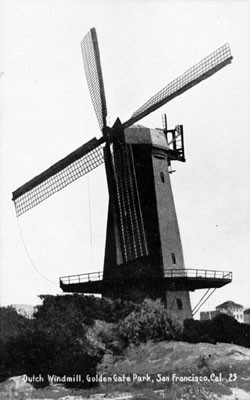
(200, 71)
(93, 72)
(133, 238)
(58, 180)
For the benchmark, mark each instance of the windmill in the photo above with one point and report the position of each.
(143, 252)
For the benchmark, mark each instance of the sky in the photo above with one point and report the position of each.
(46, 113)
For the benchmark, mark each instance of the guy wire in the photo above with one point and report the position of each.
(29, 257)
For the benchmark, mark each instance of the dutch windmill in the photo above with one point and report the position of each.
(143, 253)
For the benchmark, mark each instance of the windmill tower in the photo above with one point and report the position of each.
(143, 253)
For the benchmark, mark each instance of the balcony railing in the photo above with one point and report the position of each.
(89, 277)
(197, 273)
(168, 273)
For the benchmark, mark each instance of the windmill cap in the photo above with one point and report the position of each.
(138, 134)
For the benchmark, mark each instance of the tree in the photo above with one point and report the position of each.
(55, 342)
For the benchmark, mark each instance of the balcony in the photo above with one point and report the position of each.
(192, 279)
(84, 283)
(174, 279)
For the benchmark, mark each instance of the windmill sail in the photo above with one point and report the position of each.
(93, 72)
(205, 68)
(61, 174)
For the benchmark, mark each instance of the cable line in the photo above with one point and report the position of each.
(29, 257)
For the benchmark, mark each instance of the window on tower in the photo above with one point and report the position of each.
(179, 304)
(162, 177)
(173, 258)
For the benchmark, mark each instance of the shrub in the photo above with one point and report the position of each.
(88, 308)
(54, 343)
(150, 320)
(224, 328)
(12, 323)
(42, 353)
(56, 340)
(221, 328)
(195, 331)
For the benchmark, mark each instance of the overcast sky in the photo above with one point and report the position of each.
(47, 113)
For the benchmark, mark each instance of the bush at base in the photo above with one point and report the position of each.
(150, 321)
(55, 341)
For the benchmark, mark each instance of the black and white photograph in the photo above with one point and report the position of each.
(124, 207)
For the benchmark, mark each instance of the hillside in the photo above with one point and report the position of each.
(164, 366)
(172, 365)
